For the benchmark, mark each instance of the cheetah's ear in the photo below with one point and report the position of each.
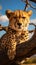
(30, 12)
(9, 13)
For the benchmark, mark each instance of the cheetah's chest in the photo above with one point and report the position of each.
(22, 38)
(14, 38)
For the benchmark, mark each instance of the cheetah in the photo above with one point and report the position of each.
(17, 31)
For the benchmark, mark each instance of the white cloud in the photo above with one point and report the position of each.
(3, 18)
(33, 21)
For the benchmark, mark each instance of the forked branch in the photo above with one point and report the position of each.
(28, 4)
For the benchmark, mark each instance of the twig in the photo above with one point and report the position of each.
(28, 4)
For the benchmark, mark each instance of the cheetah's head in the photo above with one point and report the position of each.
(19, 19)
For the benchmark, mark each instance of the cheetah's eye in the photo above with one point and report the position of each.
(23, 17)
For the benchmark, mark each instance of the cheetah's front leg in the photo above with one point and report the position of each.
(11, 50)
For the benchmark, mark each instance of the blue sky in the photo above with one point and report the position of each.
(14, 5)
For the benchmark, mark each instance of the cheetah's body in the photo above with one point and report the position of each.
(15, 35)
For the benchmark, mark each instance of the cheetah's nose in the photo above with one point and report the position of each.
(19, 24)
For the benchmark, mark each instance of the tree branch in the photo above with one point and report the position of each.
(28, 4)
(33, 1)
